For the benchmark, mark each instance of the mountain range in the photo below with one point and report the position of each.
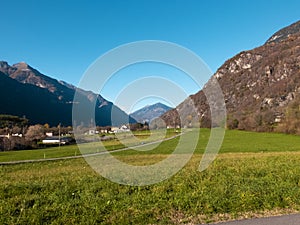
(150, 112)
(26, 92)
(261, 87)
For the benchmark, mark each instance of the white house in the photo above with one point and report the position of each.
(123, 128)
(57, 140)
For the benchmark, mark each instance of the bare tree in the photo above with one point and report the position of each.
(35, 133)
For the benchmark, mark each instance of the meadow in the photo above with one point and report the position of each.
(119, 142)
(255, 174)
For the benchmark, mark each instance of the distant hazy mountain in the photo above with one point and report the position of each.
(24, 91)
(149, 112)
(261, 87)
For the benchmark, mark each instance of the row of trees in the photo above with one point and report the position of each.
(9, 121)
(291, 121)
(13, 139)
(287, 120)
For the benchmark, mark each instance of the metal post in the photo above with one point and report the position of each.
(59, 135)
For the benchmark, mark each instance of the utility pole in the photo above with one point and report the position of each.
(59, 135)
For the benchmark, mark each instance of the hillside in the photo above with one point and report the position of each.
(261, 87)
(285, 33)
(26, 92)
(149, 112)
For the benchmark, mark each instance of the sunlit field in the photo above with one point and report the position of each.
(255, 174)
(120, 141)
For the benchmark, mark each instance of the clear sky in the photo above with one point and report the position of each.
(62, 38)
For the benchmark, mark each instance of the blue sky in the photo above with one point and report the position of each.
(62, 38)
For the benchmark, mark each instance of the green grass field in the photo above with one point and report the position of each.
(234, 141)
(255, 174)
(72, 150)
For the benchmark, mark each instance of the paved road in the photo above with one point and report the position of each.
(293, 219)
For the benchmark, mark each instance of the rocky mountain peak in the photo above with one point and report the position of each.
(3, 64)
(6, 68)
(25, 74)
(43, 99)
(285, 33)
(28, 75)
(259, 86)
(21, 65)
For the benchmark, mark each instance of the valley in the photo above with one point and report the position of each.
(69, 155)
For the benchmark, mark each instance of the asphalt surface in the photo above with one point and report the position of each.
(293, 219)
